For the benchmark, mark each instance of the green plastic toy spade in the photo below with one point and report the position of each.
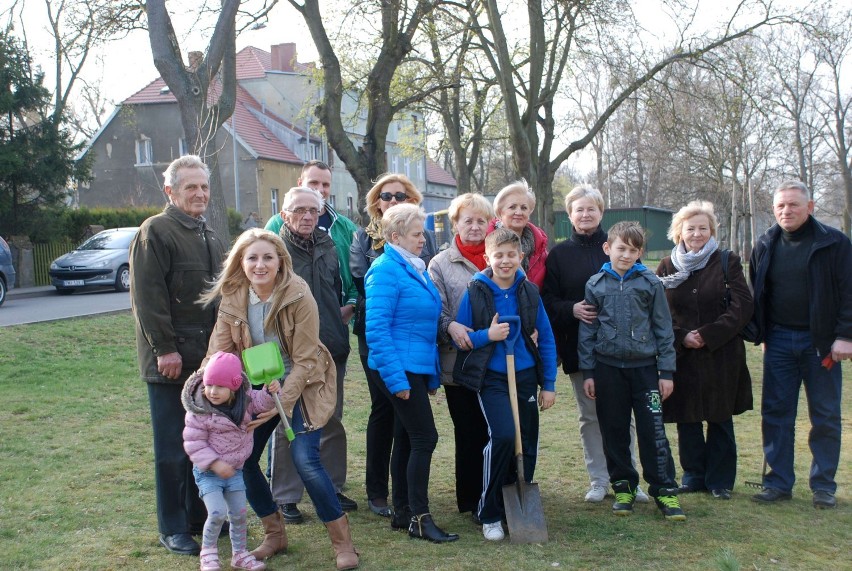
(263, 364)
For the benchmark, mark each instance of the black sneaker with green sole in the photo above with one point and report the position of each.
(624, 498)
(669, 505)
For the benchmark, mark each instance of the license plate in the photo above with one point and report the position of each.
(72, 283)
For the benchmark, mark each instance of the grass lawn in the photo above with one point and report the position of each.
(76, 483)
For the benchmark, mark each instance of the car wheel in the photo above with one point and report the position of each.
(2, 291)
(65, 290)
(122, 279)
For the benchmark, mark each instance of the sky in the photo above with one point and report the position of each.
(127, 65)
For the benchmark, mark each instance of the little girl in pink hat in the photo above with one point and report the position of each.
(219, 403)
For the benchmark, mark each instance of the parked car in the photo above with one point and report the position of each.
(7, 270)
(99, 261)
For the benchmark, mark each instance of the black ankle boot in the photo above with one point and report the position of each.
(401, 518)
(423, 527)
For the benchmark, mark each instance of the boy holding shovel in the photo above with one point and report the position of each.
(502, 289)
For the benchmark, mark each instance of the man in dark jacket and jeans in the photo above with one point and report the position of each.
(800, 271)
(315, 260)
(172, 259)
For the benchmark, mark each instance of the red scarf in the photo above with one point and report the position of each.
(475, 253)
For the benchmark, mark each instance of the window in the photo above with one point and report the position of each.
(332, 200)
(144, 152)
(407, 164)
(182, 147)
(273, 192)
(350, 205)
(394, 164)
(419, 169)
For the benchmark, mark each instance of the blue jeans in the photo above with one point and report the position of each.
(207, 481)
(305, 450)
(790, 360)
(257, 486)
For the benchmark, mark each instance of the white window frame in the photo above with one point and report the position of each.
(182, 147)
(144, 152)
(273, 196)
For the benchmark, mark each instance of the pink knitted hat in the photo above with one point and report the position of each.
(225, 370)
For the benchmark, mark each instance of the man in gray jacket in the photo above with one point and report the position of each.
(172, 258)
(315, 260)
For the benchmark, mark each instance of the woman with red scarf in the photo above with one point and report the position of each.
(451, 271)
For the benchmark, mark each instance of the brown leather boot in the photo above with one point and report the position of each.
(341, 540)
(275, 538)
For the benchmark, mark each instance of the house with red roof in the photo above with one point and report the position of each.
(271, 134)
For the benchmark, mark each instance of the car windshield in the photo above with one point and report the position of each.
(108, 241)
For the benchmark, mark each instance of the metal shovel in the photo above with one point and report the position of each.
(263, 364)
(521, 500)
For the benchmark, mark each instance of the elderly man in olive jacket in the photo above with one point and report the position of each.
(172, 259)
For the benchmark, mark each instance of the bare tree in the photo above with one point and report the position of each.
(470, 100)
(530, 73)
(395, 23)
(204, 104)
(832, 38)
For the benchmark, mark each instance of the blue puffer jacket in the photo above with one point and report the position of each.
(403, 309)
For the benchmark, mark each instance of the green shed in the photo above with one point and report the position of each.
(655, 221)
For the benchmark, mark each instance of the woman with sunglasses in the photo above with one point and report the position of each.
(391, 189)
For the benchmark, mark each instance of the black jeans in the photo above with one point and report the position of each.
(380, 430)
(708, 464)
(620, 391)
(415, 438)
(471, 436)
(179, 509)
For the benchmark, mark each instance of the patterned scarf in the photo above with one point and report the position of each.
(686, 262)
(374, 231)
(475, 253)
(306, 244)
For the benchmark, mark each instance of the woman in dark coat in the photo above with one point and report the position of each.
(712, 382)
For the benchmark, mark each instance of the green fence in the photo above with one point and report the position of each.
(43, 254)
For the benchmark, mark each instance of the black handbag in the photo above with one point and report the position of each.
(749, 332)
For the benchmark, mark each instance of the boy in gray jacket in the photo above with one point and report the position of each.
(627, 359)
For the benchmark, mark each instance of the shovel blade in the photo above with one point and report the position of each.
(524, 513)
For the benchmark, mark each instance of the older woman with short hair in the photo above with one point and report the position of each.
(451, 270)
(569, 266)
(390, 190)
(513, 206)
(712, 382)
(403, 309)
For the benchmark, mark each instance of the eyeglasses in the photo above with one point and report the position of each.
(301, 211)
(400, 196)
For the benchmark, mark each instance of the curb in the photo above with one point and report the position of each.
(28, 292)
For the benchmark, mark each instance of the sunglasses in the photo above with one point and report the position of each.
(400, 196)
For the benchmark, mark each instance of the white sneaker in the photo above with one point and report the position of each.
(641, 496)
(493, 531)
(596, 494)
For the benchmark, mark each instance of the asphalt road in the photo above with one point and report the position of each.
(44, 304)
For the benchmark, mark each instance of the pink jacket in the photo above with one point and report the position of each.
(209, 435)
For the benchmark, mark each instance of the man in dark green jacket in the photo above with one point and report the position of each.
(172, 259)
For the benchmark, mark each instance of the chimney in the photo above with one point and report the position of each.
(195, 59)
(284, 57)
